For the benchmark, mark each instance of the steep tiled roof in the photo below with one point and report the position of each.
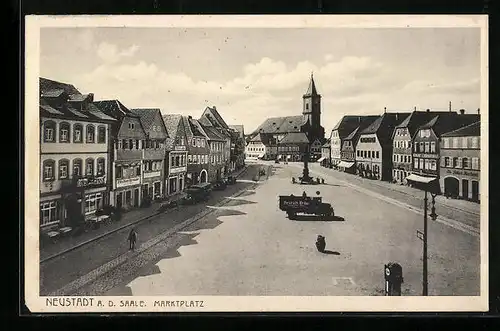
(114, 108)
(172, 123)
(281, 124)
(294, 138)
(352, 134)
(213, 134)
(471, 130)
(416, 119)
(349, 122)
(384, 125)
(450, 121)
(219, 121)
(239, 128)
(148, 116)
(51, 85)
(65, 111)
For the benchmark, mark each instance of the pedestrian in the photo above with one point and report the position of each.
(304, 194)
(132, 238)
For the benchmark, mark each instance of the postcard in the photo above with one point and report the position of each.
(259, 163)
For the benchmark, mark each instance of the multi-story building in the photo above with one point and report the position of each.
(343, 128)
(325, 159)
(238, 156)
(74, 155)
(177, 156)
(198, 152)
(315, 150)
(402, 143)
(293, 147)
(426, 142)
(257, 148)
(154, 151)
(460, 162)
(348, 150)
(128, 150)
(374, 147)
(217, 157)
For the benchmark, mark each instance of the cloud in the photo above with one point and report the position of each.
(85, 39)
(111, 54)
(328, 57)
(268, 87)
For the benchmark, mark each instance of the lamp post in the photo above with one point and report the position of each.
(433, 215)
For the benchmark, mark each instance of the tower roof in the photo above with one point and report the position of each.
(311, 90)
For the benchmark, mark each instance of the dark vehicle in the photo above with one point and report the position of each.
(262, 172)
(294, 205)
(220, 185)
(276, 161)
(197, 193)
(231, 180)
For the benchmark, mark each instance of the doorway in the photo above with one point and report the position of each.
(451, 187)
(136, 197)
(465, 189)
(119, 200)
(128, 198)
(475, 190)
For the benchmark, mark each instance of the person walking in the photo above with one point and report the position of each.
(132, 238)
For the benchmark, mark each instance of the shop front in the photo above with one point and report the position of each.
(127, 194)
(460, 183)
(176, 180)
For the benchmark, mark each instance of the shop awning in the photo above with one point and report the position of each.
(321, 159)
(344, 164)
(420, 179)
(261, 155)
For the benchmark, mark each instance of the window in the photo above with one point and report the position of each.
(101, 166)
(459, 163)
(203, 143)
(475, 163)
(177, 161)
(447, 161)
(364, 153)
(455, 142)
(77, 133)
(394, 158)
(190, 158)
(455, 162)
(446, 143)
(377, 154)
(465, 163)
(138, 171)
(64, 132)
(77, 167)
(131, 125)
(49, 212)
(63, 169)
(93, 202)
(433, 147)
(421, 147)
(426, 144)
(194, 142)
(119, 172)
(101, 135)
(421, 163)
(475, 142)
(89, 167)
(48, 170)
(49, 129)
(415, 165)
(90, 133)
(426, 164)
(464, 142)
(433, 165)
(416, 147)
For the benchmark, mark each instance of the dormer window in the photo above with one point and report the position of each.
(131, 125)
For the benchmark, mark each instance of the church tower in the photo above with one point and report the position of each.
(312, 111)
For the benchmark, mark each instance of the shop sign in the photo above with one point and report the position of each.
(429, 156)
(180, 148)
(177, 170)
(462, 173)
(86, 182)
(128, 182)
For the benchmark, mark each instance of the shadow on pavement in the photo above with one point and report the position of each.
(211, 221)
(328, 252)
(247, 193)
(314, 218)
(239, 202)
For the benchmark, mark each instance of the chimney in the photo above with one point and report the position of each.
(462, 111)
(415, 108)
(385, 109)
(91, 97)
(428, 110)
(478, 111)
(214, 108)
(190, 117)
(449, 106)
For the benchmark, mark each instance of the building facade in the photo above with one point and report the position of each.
(325, 159)
(374, 147)
(198, 152)
(239, 149)
(343, 128)
(427, 141)
(154, 151)
(315, 150)
(177, 155)
(293, 147)
(74, 156)
(218, 154)
(129, 139)
(256, 148)
(460, 163)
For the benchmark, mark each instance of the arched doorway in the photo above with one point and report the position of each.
(465, 189)
(475, 191)
(451, 186)
(203, 176)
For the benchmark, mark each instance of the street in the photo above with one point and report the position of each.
(248, 247)
(70, 266)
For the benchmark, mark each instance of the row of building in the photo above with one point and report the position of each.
(398, 146)
(99, 153)
(393, 146)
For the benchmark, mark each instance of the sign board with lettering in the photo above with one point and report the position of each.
(86, 182)
(179, 147)
(428, 156)
(128, 182)
(462, 172)
(178, 170)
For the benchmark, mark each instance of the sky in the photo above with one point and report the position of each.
(250, 74)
